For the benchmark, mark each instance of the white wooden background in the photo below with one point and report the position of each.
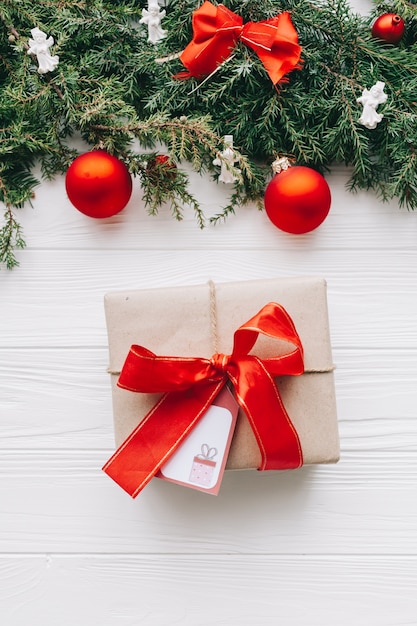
(325, 545)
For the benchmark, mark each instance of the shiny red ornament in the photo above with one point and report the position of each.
(98, 184)
(162, 166)
(388, 27)
(297, 200)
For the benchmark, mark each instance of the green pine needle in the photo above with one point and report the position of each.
(111, 89)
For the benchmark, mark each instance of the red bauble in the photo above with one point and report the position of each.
(162, 166)
(98, 184)
(297, 200)
(389, 27)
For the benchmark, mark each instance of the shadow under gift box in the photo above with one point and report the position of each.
(198, 321)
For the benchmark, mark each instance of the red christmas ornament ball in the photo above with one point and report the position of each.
(388, 27)
(98, 184)
(161, 165)
(297, 200)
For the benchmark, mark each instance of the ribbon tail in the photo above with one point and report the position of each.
(183, 75)
(278, 70)
(274, 432)
(158, 435)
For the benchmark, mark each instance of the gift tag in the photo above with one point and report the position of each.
(200, 460)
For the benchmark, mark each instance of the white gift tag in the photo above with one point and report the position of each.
(200, 460)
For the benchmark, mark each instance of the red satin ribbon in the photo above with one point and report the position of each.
(192, 385)
(216, 31)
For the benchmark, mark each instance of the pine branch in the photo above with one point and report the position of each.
(113, 91)
(10, 239)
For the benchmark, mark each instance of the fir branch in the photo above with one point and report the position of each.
(10, 239)
(186, 139)
(10, 233)
(110, 89)
(162, 185)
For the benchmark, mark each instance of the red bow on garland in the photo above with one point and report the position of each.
(193, 383)
(216, 31)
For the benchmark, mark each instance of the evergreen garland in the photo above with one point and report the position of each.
(111, 89)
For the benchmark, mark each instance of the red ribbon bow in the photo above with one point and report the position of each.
(193, 383)
(216, 31)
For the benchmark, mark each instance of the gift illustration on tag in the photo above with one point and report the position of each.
(203, 466)
(200, 465)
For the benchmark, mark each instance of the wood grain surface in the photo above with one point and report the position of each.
(321, 546)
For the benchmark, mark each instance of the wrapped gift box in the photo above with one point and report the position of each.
(198, 321)
(203, 466)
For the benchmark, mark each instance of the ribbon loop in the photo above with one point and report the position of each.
(191, 384)
(216, 30)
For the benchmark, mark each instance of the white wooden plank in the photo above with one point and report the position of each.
(360, 218)
(62, 501)
(53, 398)
(326, 546)
(232, 590)
(56, 298)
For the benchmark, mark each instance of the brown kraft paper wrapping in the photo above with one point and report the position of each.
(198, 321)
